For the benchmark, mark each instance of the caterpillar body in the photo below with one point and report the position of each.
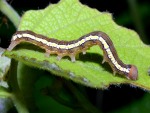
(74, 47)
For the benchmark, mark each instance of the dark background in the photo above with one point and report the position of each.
(133, 14)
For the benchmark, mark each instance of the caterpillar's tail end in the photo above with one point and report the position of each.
(11, 46)
(133, 74)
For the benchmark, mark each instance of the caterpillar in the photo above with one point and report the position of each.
(74, 47)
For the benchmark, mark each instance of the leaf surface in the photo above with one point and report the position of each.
(69, 20)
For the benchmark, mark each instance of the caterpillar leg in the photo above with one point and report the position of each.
(84, 52)
(47, 53)
(104, 60)
(114, 72)
(59, 57)
(72, 56)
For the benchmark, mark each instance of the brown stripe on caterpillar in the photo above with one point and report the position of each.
(74, 47)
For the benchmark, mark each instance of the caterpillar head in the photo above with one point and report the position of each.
(133, 73)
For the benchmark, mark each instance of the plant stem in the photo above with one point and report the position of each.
(6, 9)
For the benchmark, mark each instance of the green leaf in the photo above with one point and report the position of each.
(26, 79)
(52, 104)
(4, 67)
(69, 20)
